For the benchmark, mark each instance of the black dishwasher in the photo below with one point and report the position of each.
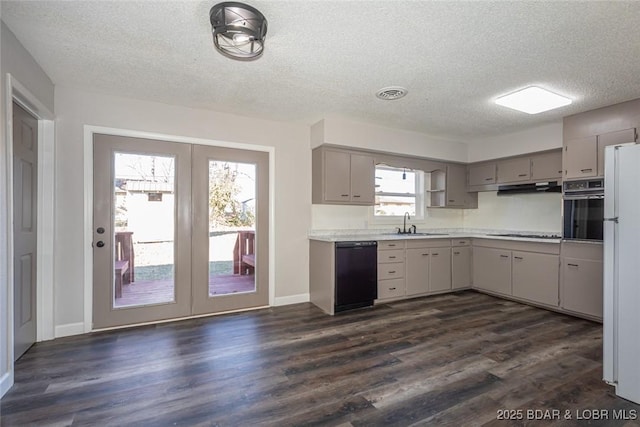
(356, 274)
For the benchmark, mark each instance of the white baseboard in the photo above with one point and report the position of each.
(69, 329)
(291, 299)
(6, 382)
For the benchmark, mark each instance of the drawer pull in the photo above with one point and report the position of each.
(573, 265)
(344, 195)
(391, 272)
(392, 289)
(504, 256)
(436, 254)
(462, 242)
(488, 179)
(425, 254)
(451, 201)
(391, 245)
(517, 257)
(586, 170)
(392, 257)
(356, 195)
(523, 174)
(456, 253)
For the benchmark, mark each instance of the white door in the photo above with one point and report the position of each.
(628, 260)
(25, 182)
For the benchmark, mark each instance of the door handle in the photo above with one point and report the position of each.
(614, 219)
(100, 244)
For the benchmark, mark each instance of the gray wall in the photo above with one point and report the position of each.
(14, 59)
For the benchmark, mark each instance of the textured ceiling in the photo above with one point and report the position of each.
(328, 58)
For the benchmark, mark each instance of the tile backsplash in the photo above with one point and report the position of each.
(529, 212)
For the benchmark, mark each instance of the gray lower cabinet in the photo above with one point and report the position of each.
(428, 269)
(581, 286)
(418, 263)
(492, 270)
(535, 277)
(391, 269)
(460, 267)
(440, 270)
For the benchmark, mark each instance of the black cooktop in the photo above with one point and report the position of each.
(529, 236)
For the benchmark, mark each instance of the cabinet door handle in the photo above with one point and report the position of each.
(504, 256)
(356, 195)
(573, 265)
(456, 253)
(586, 170)
(517, 257)
(344, 195)
(488, 179)
(425, 254)
(435, 254)
(523, 174)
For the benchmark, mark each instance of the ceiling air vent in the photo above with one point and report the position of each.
(390, 93)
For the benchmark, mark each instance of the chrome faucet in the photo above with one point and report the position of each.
(404, 221)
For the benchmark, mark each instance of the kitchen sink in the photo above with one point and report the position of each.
(417, 234)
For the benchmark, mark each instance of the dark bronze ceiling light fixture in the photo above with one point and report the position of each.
(238, 30)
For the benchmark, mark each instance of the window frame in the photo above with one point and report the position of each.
(419, 197)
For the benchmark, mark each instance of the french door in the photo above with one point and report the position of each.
(179, 230)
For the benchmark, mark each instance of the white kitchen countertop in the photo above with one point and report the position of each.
(365, 235)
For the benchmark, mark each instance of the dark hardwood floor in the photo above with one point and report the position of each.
(456, 359)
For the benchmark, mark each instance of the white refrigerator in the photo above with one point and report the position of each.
(621, 356)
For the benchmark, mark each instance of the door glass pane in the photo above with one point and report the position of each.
(232, 230)
(144, 218)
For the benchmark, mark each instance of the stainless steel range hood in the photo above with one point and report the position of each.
(538, 187)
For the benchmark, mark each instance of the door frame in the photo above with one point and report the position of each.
(17, 92)
(89, 131)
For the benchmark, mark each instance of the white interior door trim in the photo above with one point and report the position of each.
(89, 130)
(16, 91)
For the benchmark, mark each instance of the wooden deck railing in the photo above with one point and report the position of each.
(244, 257)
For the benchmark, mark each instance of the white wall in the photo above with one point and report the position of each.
(14, 59)
(334, 217)
(517, 212)
(339, 131)
(545, 137)
(75, 108)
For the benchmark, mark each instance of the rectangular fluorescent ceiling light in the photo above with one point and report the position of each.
(533, 100)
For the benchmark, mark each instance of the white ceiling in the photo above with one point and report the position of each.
(328, 58)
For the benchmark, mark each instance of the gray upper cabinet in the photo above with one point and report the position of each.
(362, 179)
(546, 166)
(585, 135)
(456, 189)
(448, 188)
(514, 170)
(613, 138)
(482, 174)
(342, 177)
(580, 159)
(337, 176)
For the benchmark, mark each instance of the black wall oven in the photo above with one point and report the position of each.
(583, 210)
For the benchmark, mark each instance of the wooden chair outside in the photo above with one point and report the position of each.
(124, 264)
(244, 257)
